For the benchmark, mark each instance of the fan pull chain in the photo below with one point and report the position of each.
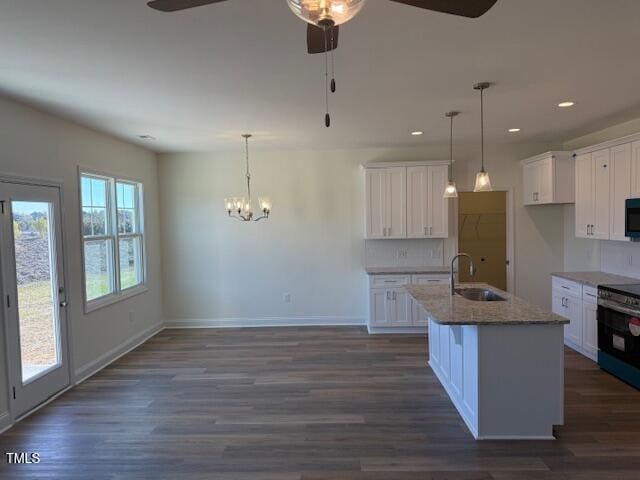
(333, 75)
(327, 117)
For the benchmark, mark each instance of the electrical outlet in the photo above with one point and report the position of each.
(286, 298)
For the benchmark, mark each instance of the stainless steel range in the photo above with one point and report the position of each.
(619, 331)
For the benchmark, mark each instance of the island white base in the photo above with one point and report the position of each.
(507, 381)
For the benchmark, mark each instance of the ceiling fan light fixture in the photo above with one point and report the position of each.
(326, 12)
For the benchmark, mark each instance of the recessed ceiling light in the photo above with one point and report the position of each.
(146, 137)
(514, 130)
(566, 104)
(417, 133)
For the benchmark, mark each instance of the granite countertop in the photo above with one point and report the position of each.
(593, 279)
(405, 270)
(456, 310)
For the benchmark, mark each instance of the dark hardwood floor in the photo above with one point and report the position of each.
(307, 404)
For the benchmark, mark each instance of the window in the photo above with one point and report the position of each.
(113, 238)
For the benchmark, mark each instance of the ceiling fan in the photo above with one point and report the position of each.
(324, 17)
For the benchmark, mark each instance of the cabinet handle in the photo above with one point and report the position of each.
(425, 230)
(430, 230)
(394, 296)
(388, 295)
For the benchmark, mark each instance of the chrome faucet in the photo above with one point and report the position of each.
(472, 270)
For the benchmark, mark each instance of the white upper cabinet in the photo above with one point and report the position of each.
(386, 202)
(548, 179)
(606, 176)
(376, 179)
(417, 200)
(593, 202)
(397, 202)
(601, 190)
(407, 202)
(620, 181)
(584, 195)
(438, 206)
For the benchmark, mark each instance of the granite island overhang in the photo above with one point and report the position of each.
(501, 362)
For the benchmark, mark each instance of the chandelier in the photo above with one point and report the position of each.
(240, 207)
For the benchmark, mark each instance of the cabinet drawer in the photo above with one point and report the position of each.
(383, 281)
(430, 279)
(589, 294)
(568, 287)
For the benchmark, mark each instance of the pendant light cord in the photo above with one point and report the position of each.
(482, 128)
(451, 150)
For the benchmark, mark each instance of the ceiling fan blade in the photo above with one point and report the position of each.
(463, 8)
(175, 5)
(316, 39)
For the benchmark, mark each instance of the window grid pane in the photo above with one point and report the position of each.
(113, 239)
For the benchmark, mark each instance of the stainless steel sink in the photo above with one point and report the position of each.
(479, 295)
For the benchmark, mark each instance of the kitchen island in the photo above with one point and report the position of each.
(501, 362)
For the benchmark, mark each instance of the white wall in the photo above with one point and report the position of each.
(313, 245)
(37, 144)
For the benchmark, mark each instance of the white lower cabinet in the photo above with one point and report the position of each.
(391, 306)
(578, 304)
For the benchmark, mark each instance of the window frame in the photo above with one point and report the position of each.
(118, 294)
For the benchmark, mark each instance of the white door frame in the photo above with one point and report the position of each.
(59, 184)
(510, 227)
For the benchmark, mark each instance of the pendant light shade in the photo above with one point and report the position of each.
(451, 191)
(483, 182)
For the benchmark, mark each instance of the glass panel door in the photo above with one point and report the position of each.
(34, 293)
(37, 298)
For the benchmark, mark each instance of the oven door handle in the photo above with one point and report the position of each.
(618, 308)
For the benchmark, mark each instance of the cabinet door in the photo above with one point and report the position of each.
(437, 205)
(417, 202)
(445, 359)
(545, 177)
(601, 199)
(378, 310)
(584, 195)
(635, 170)
(400, 308)
(620, 189)
(573, 330)
(396, 202)
(455, 353)
(376, 192)
(529, 183)
(419, 317)
(590, 329)
(434, 344)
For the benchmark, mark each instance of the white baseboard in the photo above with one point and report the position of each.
(5, 422)
(91, 368)
(263, 322)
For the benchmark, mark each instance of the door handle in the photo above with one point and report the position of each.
(64, 303)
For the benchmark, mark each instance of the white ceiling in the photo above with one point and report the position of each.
(195, 80)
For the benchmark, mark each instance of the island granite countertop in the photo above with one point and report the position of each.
(406, 270)
(594, 279)
(457, 310)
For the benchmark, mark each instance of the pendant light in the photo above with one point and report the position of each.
(240, 208)
(483, 182)
(450, 190)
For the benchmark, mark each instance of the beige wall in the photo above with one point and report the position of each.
(37, 144)
(313, 245)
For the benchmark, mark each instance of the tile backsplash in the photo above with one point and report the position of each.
(621, 258)
(401, 253)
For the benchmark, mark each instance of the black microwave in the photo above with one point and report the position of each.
(632, 218)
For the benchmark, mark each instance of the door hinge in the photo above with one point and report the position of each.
(14, 393)
(2, 206)
(8, 301)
